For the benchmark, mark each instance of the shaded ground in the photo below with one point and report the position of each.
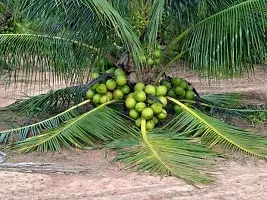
(90, 174)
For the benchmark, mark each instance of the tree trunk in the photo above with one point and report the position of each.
(145, 75)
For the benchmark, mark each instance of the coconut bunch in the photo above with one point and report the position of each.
(8, 27)
(108, 89)
(154, 58)
(148, 102)
(142, 101)
(180, 89)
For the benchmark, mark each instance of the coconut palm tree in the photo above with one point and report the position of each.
(73, 39)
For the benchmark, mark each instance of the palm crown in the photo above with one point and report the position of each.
(70, 39)
(219, 37)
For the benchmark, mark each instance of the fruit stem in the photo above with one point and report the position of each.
(143, 128)
(179, 37)
(169, 65)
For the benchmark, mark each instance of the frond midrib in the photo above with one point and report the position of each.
(53, 37)
(58, 132)
(150, 146)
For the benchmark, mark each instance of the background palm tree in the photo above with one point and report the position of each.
(72, 39)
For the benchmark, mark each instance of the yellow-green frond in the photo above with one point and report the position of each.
(99, 124)
(213, 132)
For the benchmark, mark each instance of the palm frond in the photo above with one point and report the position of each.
(255, 114)
(51, 50)
(229, 106)
(121, 27)
(8, 6)
(165, 153)
(54, 100)
(155, 17)
(216, 133)
(42, 57)
(228, 42)
(22, 133)
(3, 7)
(85, 18)
(223, 100)
(99, 124)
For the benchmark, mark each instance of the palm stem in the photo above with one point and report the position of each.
(178, 38)
(150, 147)
(144, 135)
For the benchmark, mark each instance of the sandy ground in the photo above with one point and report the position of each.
(90, 174)
(105, 180)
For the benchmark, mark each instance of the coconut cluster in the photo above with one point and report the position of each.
(153, 59)
(142, 101)
(179, 89)
(8, 27)
(142, 104)
(107, 90)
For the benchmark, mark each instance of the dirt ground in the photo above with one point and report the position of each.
(91, 174)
